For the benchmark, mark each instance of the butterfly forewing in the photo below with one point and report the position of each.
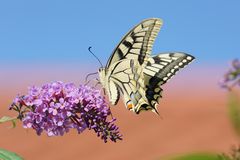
(137, 43)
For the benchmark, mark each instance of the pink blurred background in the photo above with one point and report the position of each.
(193, 119)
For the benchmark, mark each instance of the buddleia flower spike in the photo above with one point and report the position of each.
(55, 108)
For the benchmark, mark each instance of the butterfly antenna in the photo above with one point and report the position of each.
(89, 49)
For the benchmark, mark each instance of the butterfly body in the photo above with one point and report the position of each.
(132, 72)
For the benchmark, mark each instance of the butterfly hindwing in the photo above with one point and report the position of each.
(159, 70)
(113, 93)
(137, 43)
(128, 77)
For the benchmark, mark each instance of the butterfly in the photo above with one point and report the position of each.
(134, 73)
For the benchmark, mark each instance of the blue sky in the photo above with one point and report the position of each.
(57, 31)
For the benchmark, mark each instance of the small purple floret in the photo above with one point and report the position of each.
(232, 77)
(57, 107)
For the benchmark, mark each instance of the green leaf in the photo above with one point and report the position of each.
(7, 119)
(6, 155)
(234, 111)
(196, 156)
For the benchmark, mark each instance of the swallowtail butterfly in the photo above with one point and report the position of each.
(132, 72)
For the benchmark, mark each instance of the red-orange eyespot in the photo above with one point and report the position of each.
(129, 106)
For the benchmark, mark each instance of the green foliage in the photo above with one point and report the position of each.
(226, 157)
(6, 155)
(234, 111)
(233, 155)
(8, 119)
(196, 156)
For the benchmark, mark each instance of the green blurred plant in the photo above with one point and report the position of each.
(230, 81)
(234, 154)
(234, 110)
(7, 155)
(9, 119)
(196, 156)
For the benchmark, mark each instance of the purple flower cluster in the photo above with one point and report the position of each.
(232, 77)
(57, 107)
